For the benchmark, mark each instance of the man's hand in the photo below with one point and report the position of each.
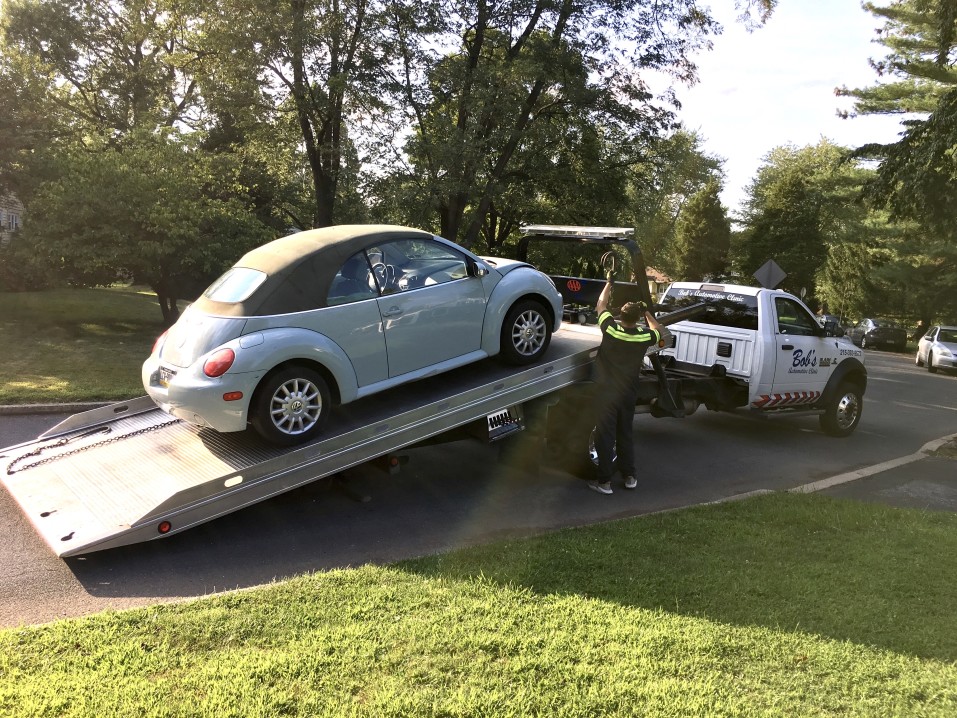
(652, 322)
(603, 298)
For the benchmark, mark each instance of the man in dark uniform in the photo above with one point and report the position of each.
(617, 370)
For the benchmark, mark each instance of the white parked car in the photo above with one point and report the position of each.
(331, 315)
(938, 349)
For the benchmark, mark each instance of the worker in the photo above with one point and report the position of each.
(617, 371)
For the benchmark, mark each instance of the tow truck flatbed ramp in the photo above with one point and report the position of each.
(129, 472)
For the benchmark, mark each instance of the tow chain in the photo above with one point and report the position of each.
(67, 440)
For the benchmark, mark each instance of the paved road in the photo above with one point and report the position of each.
(460, 494)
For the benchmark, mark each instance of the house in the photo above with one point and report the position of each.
(11, 217)
(658, 281)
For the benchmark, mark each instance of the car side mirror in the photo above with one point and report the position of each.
(476, 269)
(830, 328)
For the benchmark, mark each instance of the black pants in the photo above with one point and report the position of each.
(614, 415)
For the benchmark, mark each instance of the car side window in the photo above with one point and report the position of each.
(353, 282)
(793, 320)
(418, 263)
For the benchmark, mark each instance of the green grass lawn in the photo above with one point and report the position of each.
(782, 605)
(71, 345)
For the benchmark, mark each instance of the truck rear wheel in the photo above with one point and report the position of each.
(290, 406)
(842, 415)
(526, 333)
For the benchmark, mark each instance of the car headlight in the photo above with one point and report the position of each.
(944, 352)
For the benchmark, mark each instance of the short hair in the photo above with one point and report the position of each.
(631, 312)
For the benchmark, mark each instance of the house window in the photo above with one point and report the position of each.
(13, 221)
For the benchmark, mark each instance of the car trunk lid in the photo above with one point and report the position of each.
(196, 334)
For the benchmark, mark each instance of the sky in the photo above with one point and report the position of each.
(775, 86)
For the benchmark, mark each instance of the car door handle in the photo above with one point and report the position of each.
(392, 312)
(787, 347)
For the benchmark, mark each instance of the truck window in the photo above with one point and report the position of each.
(727, 309)
(793, 319)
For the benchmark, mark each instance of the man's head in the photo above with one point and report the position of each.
(631, 313)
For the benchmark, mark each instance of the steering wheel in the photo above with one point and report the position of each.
(385, 273)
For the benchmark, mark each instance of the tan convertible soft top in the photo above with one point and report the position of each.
(299, 268)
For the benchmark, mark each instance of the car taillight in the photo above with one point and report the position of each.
(219, 363)
(159, 341)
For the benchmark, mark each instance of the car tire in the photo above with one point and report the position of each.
(290, 406)
(930, 363)
(843, 413)
(526, 333)
(864, 342)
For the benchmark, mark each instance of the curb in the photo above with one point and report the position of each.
(26, 409)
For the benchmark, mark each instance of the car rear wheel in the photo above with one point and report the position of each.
(290, 406)
(842, 415)
(526, 333)
(930, 363)
(864, 342)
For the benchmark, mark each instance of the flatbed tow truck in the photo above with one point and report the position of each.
(128, 472)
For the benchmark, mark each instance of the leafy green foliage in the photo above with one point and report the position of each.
(152, 210)
(916, 72)
(703, 237)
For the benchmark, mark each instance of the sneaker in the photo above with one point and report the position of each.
(630, 482)
(600, 487)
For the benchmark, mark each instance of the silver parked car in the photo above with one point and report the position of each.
(331, 315)
(938, 349)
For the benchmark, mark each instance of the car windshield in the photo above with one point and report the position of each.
(235, 286)
(947, 335)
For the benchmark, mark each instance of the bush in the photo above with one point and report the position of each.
(21, 270)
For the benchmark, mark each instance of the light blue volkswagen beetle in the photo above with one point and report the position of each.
(332, 315)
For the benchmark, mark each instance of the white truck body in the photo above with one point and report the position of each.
(765, 341)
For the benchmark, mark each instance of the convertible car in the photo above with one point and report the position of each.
(331, 315)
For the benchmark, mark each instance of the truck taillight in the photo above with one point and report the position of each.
(159, 341)
(219, 363)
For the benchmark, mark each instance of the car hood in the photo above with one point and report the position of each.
(504, 266)
(195, 334)
(949, 346)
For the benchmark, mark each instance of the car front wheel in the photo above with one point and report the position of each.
(842, 415)
(526, 333)
(290, 406)
(930, 363)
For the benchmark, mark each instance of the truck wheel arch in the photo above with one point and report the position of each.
(843, 398)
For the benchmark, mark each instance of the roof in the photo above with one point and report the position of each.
(299, 268)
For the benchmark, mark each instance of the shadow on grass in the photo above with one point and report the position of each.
(867, 574)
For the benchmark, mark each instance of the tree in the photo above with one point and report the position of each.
(802, 203)
(703, 236)
(919, 36)
(674, 169)
(152, 209)
(917, 181)
(317, 60)
(545, 62)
